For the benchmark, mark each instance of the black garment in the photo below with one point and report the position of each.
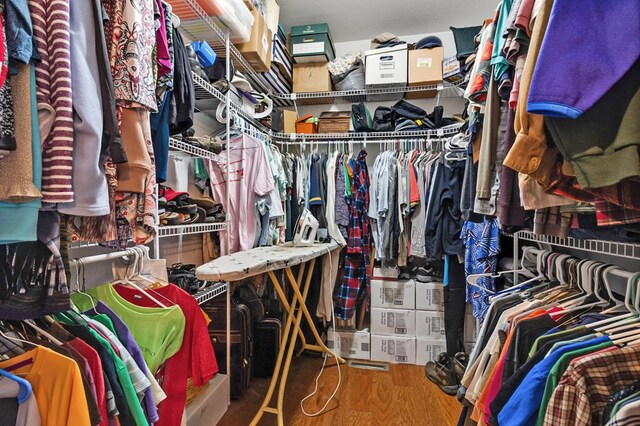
(454, 307)
(111, 139)
(318, 207)
(126, 419)
(524, 334)
(183, 101)
(392, 229)
(444, 220)
(509, 387)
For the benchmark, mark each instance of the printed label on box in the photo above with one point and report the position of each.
(387, 65)
(398, 349)
(398, 322)
(394, 296)
(424, 62)
(303, 48)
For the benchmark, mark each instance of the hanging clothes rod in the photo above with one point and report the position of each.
(97, 258)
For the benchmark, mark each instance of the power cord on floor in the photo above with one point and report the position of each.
(324, 362)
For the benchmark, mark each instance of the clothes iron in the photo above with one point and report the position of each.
(306, 229)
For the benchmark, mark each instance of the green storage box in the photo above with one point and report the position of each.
(312, 43)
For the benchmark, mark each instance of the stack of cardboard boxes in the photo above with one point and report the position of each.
(406, 323)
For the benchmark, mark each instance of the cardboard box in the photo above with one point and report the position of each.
(390, 293)
(257, 51)
(312, 43)
(430, 324)
(430, 296)
(386, 67)
(393, 321)
(394, 349)
(311, 78)
(428, 350)
(425, 69)
(289, 121)
(350, 343)
(210, 405)
(451, 71)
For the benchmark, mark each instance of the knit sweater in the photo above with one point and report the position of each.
(53, 76)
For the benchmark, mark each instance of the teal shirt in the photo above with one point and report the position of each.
(497, 58)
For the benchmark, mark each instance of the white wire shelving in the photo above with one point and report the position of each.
(372, 94)
(210, 292)
(193, 228)
(178, 145)
(610, 248)
(209, 28)
(323, 138)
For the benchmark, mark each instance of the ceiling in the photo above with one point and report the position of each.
(351, 20)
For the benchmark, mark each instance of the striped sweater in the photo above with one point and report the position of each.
(53, 79)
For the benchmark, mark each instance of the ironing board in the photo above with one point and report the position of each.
(267, 260)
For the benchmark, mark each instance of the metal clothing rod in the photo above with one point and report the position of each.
(97, 258)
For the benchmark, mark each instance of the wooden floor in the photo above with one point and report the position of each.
(402, 396)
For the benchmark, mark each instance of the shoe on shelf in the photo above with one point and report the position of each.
(441, 373)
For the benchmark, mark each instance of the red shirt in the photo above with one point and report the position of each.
(195, 359)
(95, 365)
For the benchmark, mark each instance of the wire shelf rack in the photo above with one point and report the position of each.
(179, 145)
(194, 228)
(372, 94)
(611, 248)
(296, 138)
(208, 98)
(204, 27)
(211, 292)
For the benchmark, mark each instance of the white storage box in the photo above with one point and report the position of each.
(390, 293)
(350, 343)
(428, 350)
(209, 406)
(385, 273)
(430, 324)
(429, 296)
(393, 321)
(395, 349)
(238, 18)
(386, 67)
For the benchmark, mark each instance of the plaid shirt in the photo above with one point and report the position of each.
(355, 274)
(585, 387)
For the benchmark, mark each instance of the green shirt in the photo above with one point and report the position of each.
(558, 370)
(157, 331)
(123, 377)
(540, 341)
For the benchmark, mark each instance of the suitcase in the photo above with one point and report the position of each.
(266, 345)
(241, 342)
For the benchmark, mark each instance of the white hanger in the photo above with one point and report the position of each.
(127, 279)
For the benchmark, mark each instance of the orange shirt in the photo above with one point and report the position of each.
(57, 386)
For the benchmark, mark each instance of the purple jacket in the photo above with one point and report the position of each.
(588, 46)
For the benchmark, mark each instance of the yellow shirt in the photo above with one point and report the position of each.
(57, 386)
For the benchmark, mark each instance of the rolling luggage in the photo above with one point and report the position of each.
(266, 345)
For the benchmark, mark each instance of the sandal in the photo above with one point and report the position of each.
(441, 373)
(169, 218)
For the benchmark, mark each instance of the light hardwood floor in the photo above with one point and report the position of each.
(403, 396)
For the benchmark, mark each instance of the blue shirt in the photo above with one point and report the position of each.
(522, 408)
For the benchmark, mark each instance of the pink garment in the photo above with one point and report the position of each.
(249, 176)
(162, 44)
(523, 18)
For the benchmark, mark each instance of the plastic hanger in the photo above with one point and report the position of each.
(25, 386)
(128, 280)
(619, 305)
(77, 263)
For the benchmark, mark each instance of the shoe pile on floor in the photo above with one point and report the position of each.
(179, 208)
(447, 371)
